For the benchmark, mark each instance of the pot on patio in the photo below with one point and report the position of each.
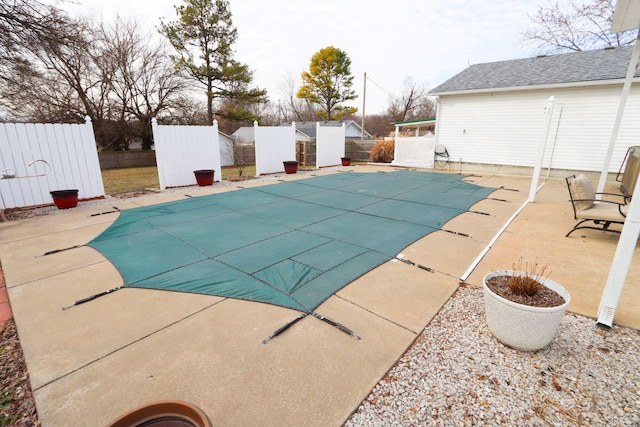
(65, 199)
(290, 166)
(164, 413)
(204, 177)
(521, 325)
(346, 161)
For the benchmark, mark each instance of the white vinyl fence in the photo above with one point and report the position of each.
(414, 151)
(36, 158)
(180, 150)
(329, 145)
(274, 145)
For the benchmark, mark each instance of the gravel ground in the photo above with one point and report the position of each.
(457, 374)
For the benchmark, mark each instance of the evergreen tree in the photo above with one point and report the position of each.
(203, 36)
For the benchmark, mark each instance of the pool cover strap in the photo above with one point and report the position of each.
(292, 244)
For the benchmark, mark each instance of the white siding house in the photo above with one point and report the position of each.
(494, 113)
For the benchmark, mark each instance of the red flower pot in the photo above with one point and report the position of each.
(346, 161)
(204, 177)
(65, 199)
(290, 166)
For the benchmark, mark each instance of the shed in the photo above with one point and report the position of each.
(493, 113)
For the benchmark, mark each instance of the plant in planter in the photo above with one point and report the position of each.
(523, 307)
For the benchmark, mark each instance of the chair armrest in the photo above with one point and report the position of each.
(616, 195)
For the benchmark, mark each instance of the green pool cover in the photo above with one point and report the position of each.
(292, 244)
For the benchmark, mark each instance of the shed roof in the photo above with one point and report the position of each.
(604, 66)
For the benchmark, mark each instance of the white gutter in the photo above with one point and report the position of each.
(567, 85)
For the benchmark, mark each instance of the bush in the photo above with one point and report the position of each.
(382, 152)
(527, 282)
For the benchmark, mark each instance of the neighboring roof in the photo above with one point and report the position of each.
(418, 123)
(309, 128)
(605, 66)
(246, 134)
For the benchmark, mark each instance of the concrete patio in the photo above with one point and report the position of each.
(93, 362)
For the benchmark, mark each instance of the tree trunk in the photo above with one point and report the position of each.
(209, 102)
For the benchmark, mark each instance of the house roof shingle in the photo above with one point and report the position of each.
(566, 68)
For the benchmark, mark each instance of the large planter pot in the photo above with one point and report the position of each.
(290, 166)
(204, 177)
(164, 413)
(521, 326)
(346, 161)
(65, 199)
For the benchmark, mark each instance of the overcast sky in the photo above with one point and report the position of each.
(428, 41)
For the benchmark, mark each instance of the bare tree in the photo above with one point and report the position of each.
(144, 79)
(574, 25)
(294, 108)
(413, 103)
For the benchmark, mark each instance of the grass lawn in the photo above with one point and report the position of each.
(129, 179)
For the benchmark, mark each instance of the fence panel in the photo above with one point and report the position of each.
(414, 152)
(36, 158)
(180, 150)
(359, 150)
(126, 159)
(274, 145)
(329, 145)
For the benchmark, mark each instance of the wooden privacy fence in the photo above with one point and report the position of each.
(36, 158)
(359, 150)
(180, 150)
(126, 159)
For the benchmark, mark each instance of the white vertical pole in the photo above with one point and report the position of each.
(616, 124)
(621, 263)
(548, 111)
(317, 133)
(256, 147)
(364, 98)
(159, 150)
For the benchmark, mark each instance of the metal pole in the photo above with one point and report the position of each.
(541, 148)
(621, 263)
(616, 125)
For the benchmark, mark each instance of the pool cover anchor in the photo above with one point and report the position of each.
(115, 209)
(55, 251)
(92, 297)
(400, 257)
(336, 325)
(284, 327)
(455, 232)
(502, 187)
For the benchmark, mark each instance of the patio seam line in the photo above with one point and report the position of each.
(376, 314)
(22, 239)
(137, 340)
(54, 275)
